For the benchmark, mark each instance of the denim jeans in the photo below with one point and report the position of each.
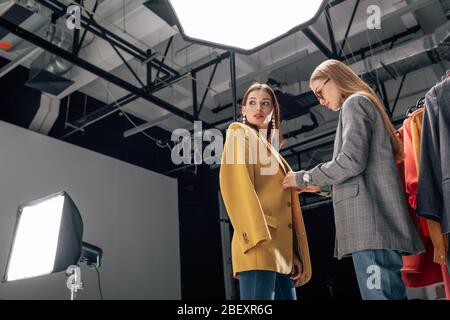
(266, 285)
(378, 274)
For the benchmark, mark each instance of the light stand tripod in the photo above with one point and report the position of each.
(91, 255)
(74, 280)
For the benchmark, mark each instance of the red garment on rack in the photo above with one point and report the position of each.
(420, 270)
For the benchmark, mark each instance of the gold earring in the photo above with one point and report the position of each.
(244, 119)
(273, 122)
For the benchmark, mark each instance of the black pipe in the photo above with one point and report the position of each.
(341, 50)
(207, 88)
(398, 93)
(319, 44)
(87, 28)
(194, 95)
(44, 44)
(100, 31)
(330, 30)
(91, 117)
(233, 84)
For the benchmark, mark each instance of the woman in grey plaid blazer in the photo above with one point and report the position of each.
(371, 216)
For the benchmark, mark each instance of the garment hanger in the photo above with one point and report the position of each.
(419, 104)
(446, 75)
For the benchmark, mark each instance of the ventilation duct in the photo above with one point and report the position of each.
(13, 12)
(48, 70)
(63, 39)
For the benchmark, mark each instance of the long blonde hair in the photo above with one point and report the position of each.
(349, 83)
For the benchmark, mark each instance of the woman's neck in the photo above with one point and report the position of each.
(257, 128)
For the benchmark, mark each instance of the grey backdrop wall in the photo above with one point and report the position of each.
(129, 212)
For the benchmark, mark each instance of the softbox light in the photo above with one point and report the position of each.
(243, 26)
(47, 238)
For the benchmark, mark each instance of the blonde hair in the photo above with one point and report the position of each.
(276, 109)
(349, 83)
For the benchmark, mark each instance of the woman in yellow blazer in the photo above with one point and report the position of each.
(270, 252)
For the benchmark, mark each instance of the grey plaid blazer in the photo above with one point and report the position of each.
(369, 204)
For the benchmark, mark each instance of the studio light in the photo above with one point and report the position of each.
(47, 239)
(241, 26)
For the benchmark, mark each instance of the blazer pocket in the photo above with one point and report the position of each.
(271, 221)
(345, 192)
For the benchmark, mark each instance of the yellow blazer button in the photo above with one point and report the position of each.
(290, 225)
(289, 204)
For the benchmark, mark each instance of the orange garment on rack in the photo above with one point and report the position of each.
(418, 270)
(410, 172)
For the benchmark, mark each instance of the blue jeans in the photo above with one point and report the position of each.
(266, 285)
(378, 274)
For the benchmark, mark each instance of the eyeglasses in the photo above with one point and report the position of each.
(265, 104)
(318, 93)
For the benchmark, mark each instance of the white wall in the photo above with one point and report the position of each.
(129, 212)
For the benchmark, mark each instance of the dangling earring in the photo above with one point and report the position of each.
(244, 119)
(274, 135)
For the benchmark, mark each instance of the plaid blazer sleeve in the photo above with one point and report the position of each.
(357, 118)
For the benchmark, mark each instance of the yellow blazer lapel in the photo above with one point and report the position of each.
(274, 152)
(288, 167)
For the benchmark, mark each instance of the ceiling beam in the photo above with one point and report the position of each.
(44, 44)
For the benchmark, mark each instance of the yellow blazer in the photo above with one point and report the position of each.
(267, 219)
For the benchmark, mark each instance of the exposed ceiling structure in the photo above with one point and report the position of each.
(133, 58)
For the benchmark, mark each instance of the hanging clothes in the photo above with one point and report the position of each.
(418, 270)
(433, 228)
(429, 267)
(433, 200)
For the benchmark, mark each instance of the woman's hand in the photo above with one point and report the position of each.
(310, 188)
(290, 181)
(297, 269)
